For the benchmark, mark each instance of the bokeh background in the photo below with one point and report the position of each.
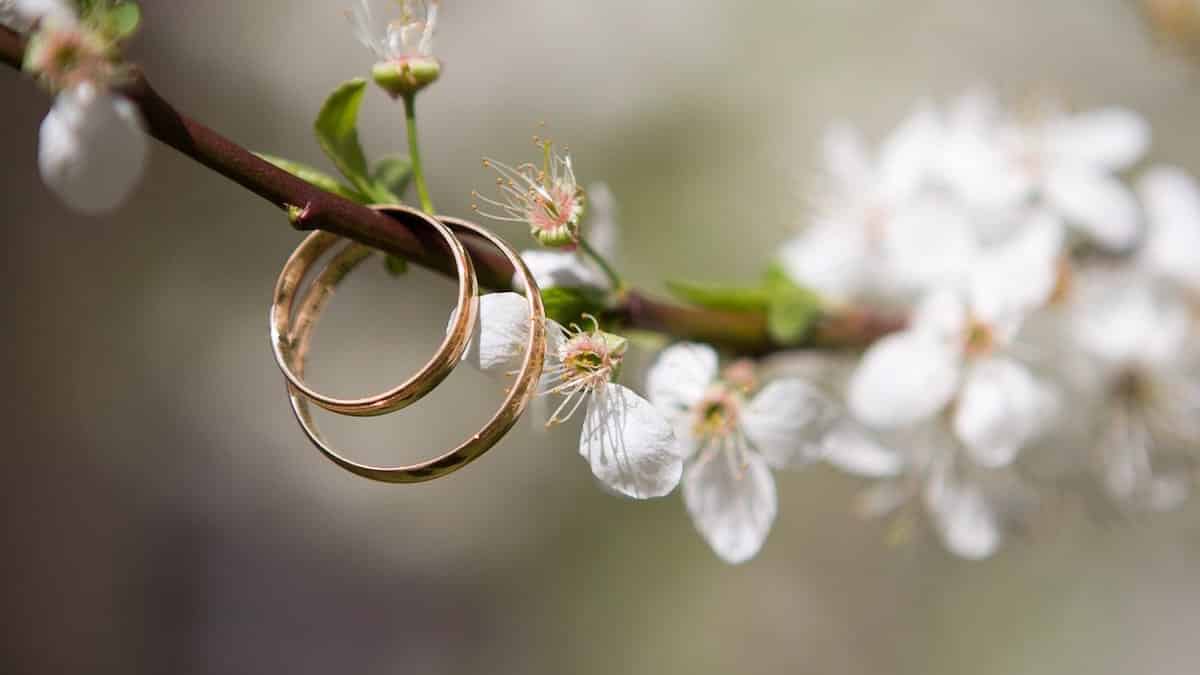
(163, 514)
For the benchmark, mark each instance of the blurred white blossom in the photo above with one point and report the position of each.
(1143, 339)
(409, 35)
(92, 146)
(732, 440)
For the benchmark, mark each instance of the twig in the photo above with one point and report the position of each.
(317, 209)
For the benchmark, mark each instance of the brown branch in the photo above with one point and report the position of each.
(318, 209)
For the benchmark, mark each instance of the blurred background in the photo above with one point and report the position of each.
(163, 513)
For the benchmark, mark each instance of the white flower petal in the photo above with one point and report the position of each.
(1096, 202)
(678, 379)
(902, 379)
(1001, 409)
(845, 155)
(786, 421)
(963, 517)
(604, 234)
(929, 244)
(92, 149)
(910, 152)
(1108, 138)
(968, 525)
(854, 451)
(1128, 323)
(831, 258)
(629, 444)
(559, 268)
(1019, 275)
(22, 14)
(941, 315)
(502, 332)
(1172, 248)
(732, 506)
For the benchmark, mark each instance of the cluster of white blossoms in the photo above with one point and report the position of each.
(92, 149)
(1052, 310)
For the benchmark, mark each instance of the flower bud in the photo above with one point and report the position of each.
(405, 77)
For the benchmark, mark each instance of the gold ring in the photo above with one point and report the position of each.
(521, 391)
(448, 355)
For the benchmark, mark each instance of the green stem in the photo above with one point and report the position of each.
(414, 153)
(613, 278)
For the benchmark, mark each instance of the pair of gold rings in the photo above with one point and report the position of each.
(291, 333)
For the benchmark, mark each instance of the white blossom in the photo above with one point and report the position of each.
(733, 440)
(630, 446)
(956, 350)
(1070, 161)
(1143, 338)
(569, 268)
(879, 227)
(408, 36)
(92, 149)
(546, 198)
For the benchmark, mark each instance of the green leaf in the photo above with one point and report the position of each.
(395, 265)
(337, 132)
(123, 20)
(392, 174)
(792, 313)
(568, 305)
(728, 298)
(316, 177)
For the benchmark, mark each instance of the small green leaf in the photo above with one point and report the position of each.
(123, 20)
(791, 314)
(337, 132)
(729, 298)
(568, 305)
(315, 176)
(395, 265)
(392, 174)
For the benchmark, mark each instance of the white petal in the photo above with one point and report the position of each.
(629, 444)
(502, 332)
(1000, 410)
(27, 12)
(1108, 138)
(941, 315)
(679, 377)
(559, 268)
(1129, 323)
(732, 506)
(1019, 275)
(1096, 202)
(604, 234)
(854, 451)
(1172, 248)
(845, 155)
(910, 152)
(929, 244)
(902, 379)
(829, 258)
(966, 522)
(92, 149)
(786, 421)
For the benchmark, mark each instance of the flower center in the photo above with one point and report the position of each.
(585, 362)
(716, 414)
(980, 339)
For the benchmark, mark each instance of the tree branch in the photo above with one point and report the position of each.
(317, 209)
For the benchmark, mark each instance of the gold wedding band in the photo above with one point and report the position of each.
(521, 391)
(448, 355)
